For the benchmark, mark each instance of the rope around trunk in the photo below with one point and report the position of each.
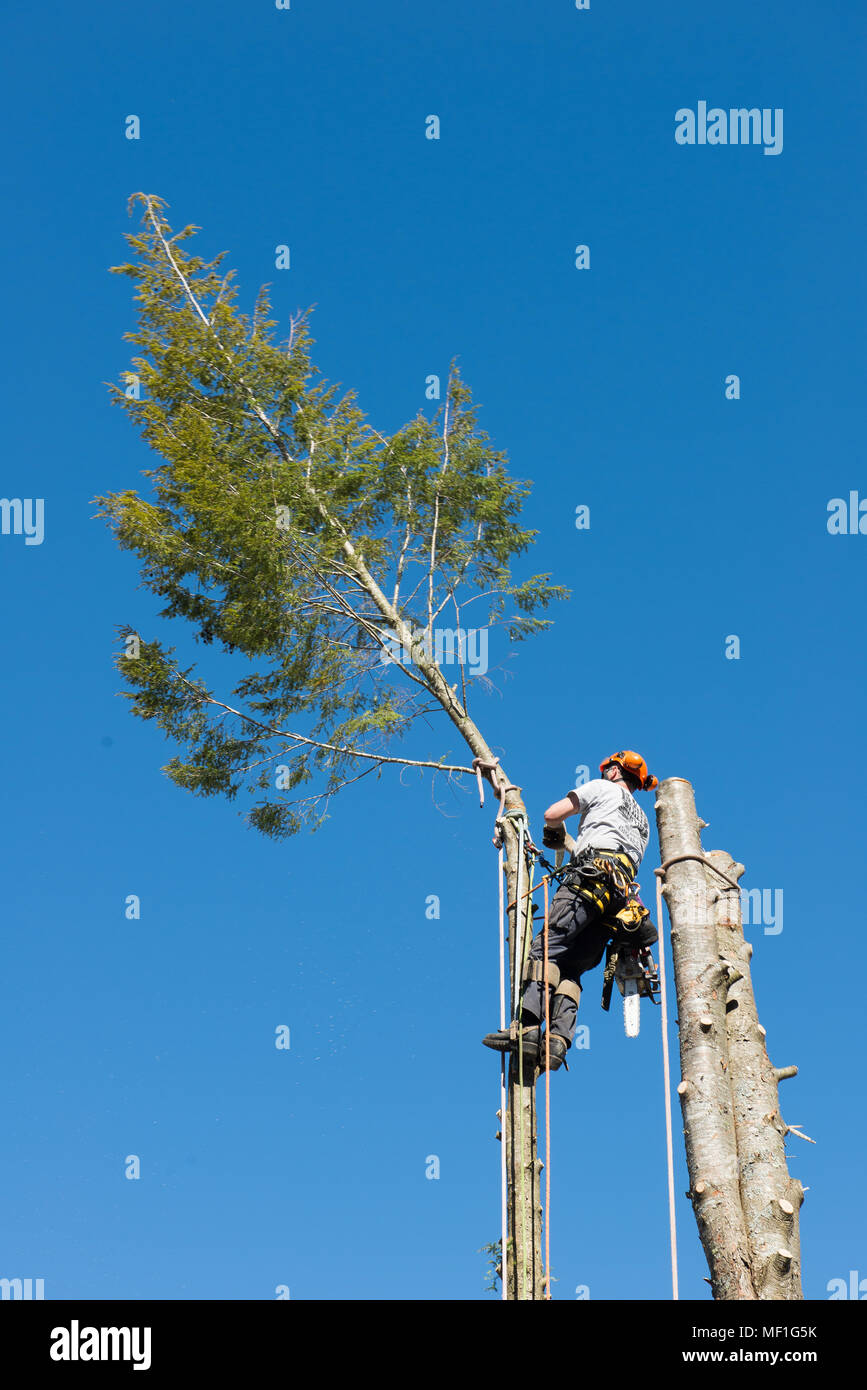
(678, 858)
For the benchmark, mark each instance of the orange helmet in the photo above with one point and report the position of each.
(634, 764)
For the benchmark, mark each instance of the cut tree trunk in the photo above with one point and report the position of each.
(745, 1203)
(771, 1199)
(708, 1123)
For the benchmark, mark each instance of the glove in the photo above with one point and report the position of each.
(554, 837)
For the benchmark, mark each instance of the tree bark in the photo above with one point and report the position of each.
(771, 1199)
(522, 1271)
(711, 1147)
(522, 1263)
(746, 1204)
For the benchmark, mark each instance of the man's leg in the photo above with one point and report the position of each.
(570, 934)
(569, 916)
(563, 1010)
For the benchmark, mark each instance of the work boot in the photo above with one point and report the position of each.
(557, 1047)
(502, 1041)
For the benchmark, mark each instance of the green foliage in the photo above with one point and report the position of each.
(494, 1251)
(288, 532)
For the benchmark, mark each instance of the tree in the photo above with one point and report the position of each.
(745, 1203)
(327, 559)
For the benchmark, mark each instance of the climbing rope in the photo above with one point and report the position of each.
(669, 1147)
(520, 949)
(501, 786)
(518, 953)
(526, 850)
(547, 1109)
(678, 858)
(503, 1214)
(519, 936)
(525, 847)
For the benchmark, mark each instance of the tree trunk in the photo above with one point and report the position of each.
(745, 1203)
(705, 1094)
(522, 1257)
(522, 1263)
(771, 1199)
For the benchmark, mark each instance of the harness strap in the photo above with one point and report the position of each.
(570, 989)
(596, 877)
(536, 971)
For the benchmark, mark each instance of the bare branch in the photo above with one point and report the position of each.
(461, 656)
(331, 791)
(436, 515)
(402, 557)
(796, 1129)
(315, 743)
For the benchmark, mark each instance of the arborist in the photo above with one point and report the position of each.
(594, 905)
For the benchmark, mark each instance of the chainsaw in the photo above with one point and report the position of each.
(637, 976)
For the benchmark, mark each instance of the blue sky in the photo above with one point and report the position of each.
(306, 1167)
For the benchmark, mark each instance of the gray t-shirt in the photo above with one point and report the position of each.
(611, 818)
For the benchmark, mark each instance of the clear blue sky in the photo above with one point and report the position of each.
(606, 387)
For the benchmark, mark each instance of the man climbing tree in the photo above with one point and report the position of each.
(314, 560)
(594, 905)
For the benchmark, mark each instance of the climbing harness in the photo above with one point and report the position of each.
(599, 876)
(605, 878)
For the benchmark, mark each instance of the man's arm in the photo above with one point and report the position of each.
(556, 814)
(554, 836)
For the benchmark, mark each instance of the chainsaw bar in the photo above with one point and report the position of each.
(636, 974)
(631, 1008)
